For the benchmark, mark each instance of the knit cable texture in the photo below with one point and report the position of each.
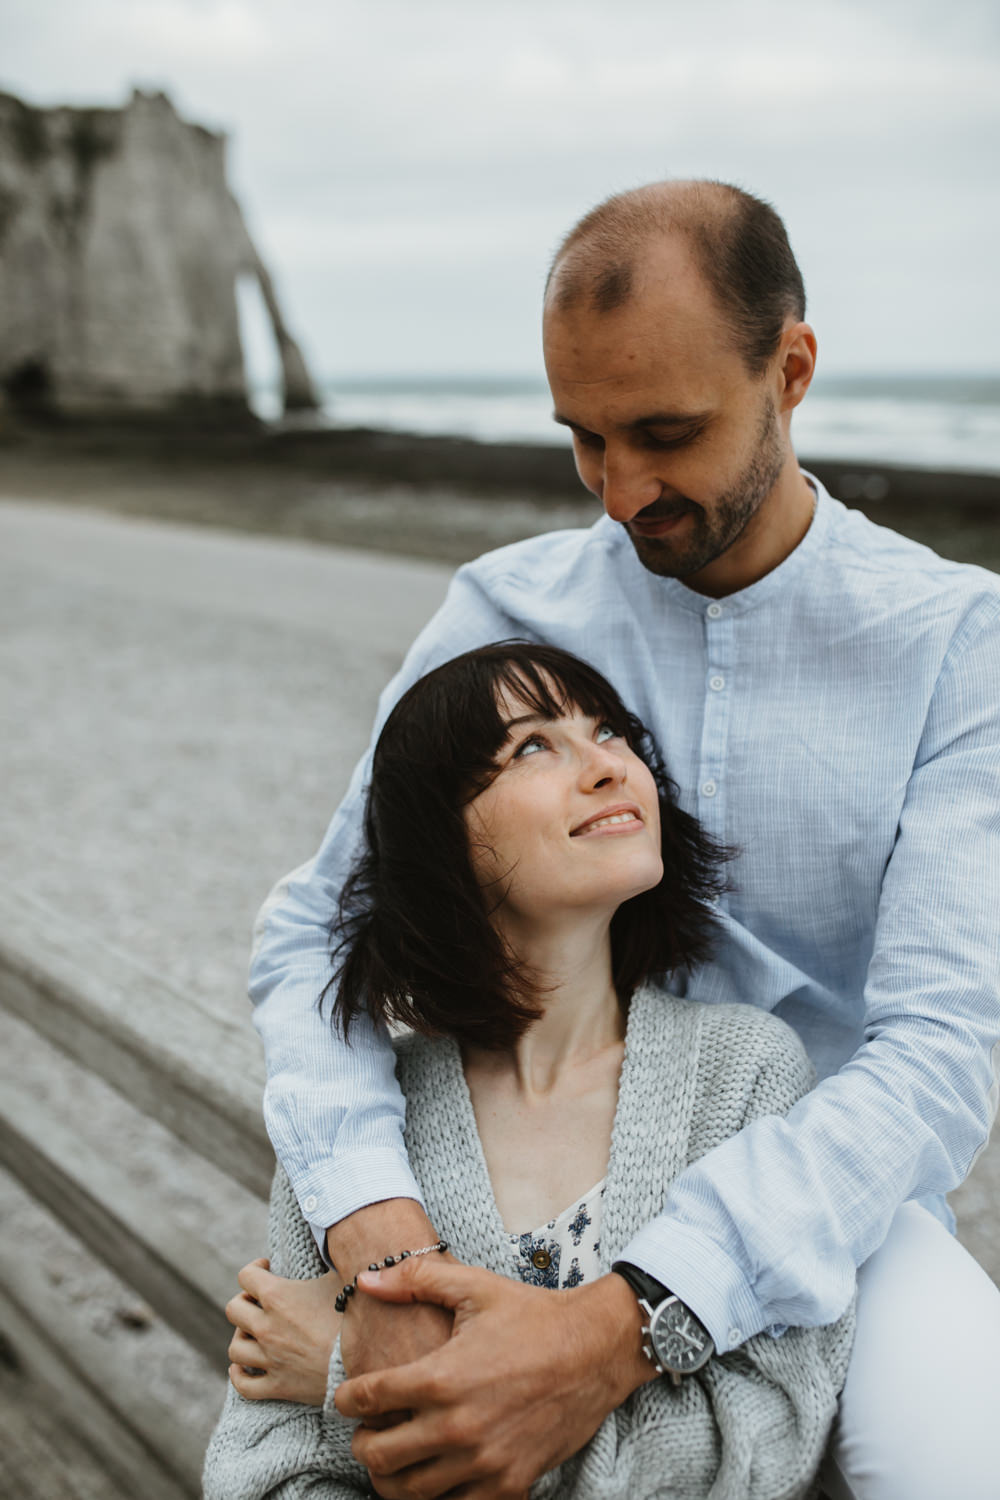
(751, 1426)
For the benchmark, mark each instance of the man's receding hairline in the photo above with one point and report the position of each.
(604, 251)
(737, 243)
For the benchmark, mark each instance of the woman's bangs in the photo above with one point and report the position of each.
(553, 693)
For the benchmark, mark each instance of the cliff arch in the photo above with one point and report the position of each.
(120, 246)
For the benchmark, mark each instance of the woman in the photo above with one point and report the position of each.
(527, 874)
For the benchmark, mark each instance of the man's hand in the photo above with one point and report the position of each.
(525, 1380)
(286, 1331)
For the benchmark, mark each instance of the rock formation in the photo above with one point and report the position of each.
(120, 249)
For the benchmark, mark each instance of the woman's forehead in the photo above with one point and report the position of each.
(517, 698)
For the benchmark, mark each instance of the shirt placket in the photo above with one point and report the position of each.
(718, 687)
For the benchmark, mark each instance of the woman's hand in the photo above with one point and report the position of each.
(285, 1333)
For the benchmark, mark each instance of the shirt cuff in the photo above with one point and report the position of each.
(341, 1185)
(694, 1268)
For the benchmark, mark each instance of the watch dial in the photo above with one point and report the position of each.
(680, 1341)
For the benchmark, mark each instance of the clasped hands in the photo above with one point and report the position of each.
(460, 1378)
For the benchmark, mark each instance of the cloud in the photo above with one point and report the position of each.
(384, 146)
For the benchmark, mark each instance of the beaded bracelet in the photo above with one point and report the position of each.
(347, 1292)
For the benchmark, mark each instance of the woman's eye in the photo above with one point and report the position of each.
(606, 732)
(529, 746)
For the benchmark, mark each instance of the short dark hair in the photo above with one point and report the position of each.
(412, 941)
(739, 242)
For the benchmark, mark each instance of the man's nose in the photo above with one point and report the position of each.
(629, 485)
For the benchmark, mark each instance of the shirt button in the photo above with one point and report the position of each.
(716, 684)
(310, 1203)
(736, 1335)
(714, 611)
(708, 788)
(541, 1260)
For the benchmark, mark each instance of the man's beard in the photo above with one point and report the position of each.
(708, 536)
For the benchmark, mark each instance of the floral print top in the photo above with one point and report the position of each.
(565, 1251)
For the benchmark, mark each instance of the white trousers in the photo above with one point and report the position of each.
(920, 1412)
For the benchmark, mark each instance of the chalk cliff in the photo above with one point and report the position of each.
(120, 248)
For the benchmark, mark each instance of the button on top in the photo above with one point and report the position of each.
(708, 788)
(716, 684)
(541, 1260)
(310, 1203)
(736, 1335)
(714, 611)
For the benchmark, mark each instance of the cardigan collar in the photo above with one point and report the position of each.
(649, 1142)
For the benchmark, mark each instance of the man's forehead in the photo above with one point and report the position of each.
(659, 360)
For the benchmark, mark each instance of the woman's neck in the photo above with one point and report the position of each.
(581, 1016)
(545, 1109)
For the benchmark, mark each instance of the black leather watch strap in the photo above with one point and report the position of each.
(644, 1285)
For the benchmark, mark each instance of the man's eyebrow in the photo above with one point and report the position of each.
(681, 420)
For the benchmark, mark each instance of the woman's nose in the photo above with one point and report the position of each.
(605, 766)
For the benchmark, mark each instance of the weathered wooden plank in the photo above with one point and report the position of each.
(144, 1448)
(197, 1073)
(41, 1456)
(128, 1228)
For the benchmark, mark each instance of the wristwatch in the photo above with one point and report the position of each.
(674, 1340)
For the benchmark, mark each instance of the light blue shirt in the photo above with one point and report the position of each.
(839, 722)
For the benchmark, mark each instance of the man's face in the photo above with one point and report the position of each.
(680, 443)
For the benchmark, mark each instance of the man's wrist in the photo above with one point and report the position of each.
(378, 1230)
(643, 1285)
(674, 1339)
(618, 1322)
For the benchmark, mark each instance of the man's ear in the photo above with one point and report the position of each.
(796, 363)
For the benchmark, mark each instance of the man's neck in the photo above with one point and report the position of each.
(769, 537)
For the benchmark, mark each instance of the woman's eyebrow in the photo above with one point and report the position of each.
(533, 718)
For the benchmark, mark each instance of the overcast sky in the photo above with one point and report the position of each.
(407, 166)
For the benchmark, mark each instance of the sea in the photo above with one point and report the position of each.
(946, 422)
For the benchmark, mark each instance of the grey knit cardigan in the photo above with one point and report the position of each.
(751, 1426)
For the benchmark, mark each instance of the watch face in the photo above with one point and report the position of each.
(679, 1341)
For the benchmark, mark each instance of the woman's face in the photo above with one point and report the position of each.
(571, 822)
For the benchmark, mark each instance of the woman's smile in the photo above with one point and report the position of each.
(626, 818)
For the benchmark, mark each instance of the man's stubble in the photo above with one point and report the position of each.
(708, 536)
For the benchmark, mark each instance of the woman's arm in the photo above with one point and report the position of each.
(277, 1448)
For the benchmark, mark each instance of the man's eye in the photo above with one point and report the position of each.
(587, 439)
(673, 440)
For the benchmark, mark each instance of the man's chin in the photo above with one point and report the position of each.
(663, 557)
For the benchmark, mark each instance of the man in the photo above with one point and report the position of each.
(827, 695)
